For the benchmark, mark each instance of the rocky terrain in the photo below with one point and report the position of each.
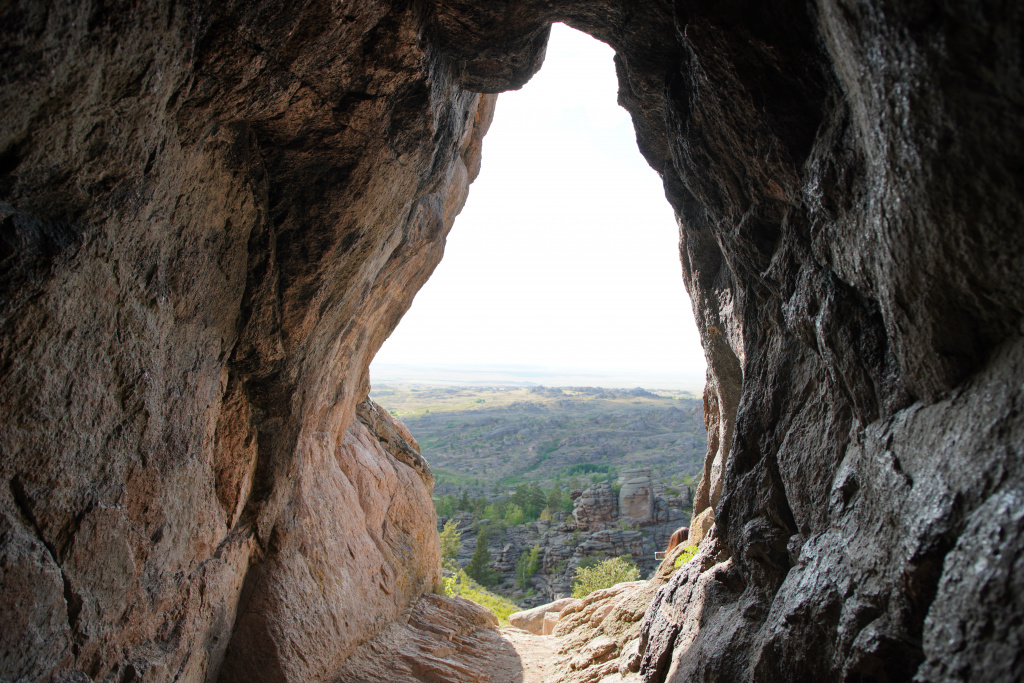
(636, 521)
(211, 216)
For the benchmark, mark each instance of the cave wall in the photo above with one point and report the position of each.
(211, 219)
(213, 216)
(847, 178)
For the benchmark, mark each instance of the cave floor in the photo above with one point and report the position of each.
(539, 661)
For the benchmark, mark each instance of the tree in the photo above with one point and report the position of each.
(514, 515)
(445, 506)
(527, 566)
(479, 567)
(451, 541)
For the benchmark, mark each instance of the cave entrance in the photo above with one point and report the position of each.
(563, 266)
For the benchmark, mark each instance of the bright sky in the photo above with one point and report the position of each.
(566, 254)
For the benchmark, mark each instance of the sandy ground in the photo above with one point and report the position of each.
(538, 656)
(536, 660)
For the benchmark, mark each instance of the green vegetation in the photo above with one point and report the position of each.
(479, 567)
(688, 554)
(527, 565)
(588, 468)
(527, 503)
(604, 574)
(451, 541)
(462, 586)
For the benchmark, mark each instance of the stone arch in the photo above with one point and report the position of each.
(212, 217)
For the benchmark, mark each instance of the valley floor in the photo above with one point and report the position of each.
(539, 660)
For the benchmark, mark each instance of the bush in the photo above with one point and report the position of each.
(688, 554)
(451, 541)
(527, 566)
(463, 586)
(604, 575)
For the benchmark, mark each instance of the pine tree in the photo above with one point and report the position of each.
(479, 567)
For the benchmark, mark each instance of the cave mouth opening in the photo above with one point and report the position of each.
(563, 267)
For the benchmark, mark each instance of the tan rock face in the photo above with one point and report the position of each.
(355, 547)
(535, 620)
(596, 508)
(445, 640)
(209, 225)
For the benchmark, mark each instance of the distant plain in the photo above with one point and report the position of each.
(481, 436)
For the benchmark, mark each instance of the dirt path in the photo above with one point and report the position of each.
(538, 655)
(538, 661)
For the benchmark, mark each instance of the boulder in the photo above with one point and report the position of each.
(533, 620)
(443, 640)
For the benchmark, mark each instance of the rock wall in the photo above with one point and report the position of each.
(847, 181)
(210, 219)
(213, 215)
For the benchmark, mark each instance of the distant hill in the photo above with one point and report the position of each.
(510, 375)
(500, 436)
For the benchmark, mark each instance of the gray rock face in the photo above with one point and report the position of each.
(636, 497)
(211, 217)
(596, 507)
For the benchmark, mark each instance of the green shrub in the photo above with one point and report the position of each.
(527, 566)
(688, 554)
(463, 586)
(445, 505)
(586, 468)
(451, 541)
(604, 575)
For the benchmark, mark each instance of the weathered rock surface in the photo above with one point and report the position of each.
(211, 217)
(596, 507)
(441, 640)
(636, 497)
(532, 620)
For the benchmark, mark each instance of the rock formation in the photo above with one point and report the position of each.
(442, 640)
(636, 497)
(565, 542)
(595, 507)
(212, 215)
(211, 219)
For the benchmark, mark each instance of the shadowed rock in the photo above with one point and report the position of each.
(211, 216)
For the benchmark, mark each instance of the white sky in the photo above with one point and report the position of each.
(566, 254)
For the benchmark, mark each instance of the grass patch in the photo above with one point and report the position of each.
(688, 554)
(463, 586)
